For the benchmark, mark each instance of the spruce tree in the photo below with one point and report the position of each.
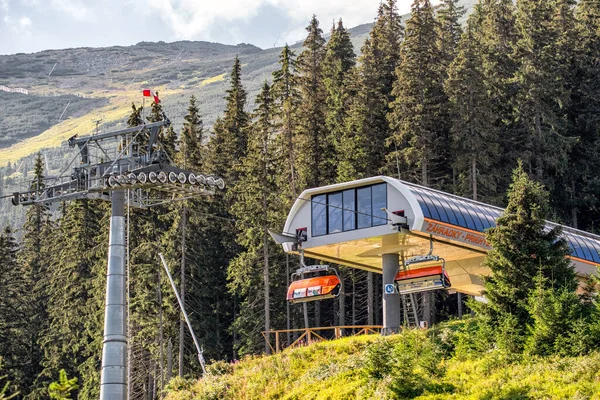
(449, 14)
(255, 209)
(362, 149)
(287, 98)
(339, 60)
(14, 347)
(314, 151)
(34, 256)
(474, 136)
(417, 116)
(70, 274)
(582, 184)
(542, 97)
(525, 256)
(497, 38)
(226, 149)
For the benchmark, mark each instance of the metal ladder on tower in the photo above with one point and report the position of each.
(411, 312)
(410, 302)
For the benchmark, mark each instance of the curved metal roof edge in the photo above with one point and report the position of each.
(565, 228)
(305, 195)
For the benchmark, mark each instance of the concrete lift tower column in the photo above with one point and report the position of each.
(113, 379)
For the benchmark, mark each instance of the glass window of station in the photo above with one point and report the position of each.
(349, 210)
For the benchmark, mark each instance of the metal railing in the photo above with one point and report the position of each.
(310, 335)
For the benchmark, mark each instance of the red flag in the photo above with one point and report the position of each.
(151, 93)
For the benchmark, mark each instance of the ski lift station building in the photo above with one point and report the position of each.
(374, 224)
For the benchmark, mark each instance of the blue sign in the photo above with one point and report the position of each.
(389, 288)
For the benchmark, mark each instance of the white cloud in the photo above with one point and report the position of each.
(4, 5)
(74, 8)
(191, 19)
(25, 22)
(20, 27)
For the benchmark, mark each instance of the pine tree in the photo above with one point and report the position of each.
(521, 251)
(449, 14)
(13, 348)
(33, 256)
(473, 133)
(287, 99)
(417, 117)
(65, 340)
(583, 183)
(255, 210)
(229, 142)
(339, 60)
(225, 150)
(497, 39)
(313, 150)
(362, 149)
(542, 97)
(192, 135)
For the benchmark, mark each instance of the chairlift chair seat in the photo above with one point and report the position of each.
(315, 288)
(422, 280)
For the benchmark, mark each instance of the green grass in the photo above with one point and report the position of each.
(409, 365)
(214, 79)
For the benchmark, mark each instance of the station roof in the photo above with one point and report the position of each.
(457, 226)
(470, 214)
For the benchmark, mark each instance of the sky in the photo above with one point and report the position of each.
(28, 26)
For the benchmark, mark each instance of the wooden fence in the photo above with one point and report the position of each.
(310, 335)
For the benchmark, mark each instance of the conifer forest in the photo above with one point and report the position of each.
(446, 100)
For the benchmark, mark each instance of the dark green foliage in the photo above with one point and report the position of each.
(314, 152)
(524, 257)
(554, 313)
(34, 255)
(363, 146)
(192, 135)
(474, 134)
(255, 209)
(339, 60)
(544, 62)
(66, 340)
(14, 346)
(417, 117)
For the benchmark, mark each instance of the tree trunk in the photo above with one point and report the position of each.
(574, 210)
(287, 303)
(267, 294)
(342, 303)
(424, 171)
(474, 176)
(169, 361)
(370, 302)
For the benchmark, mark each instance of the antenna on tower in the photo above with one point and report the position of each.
(97, 122)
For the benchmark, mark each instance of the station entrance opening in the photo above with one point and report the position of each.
(417, 238)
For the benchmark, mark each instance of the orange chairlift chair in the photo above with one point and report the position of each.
(316, 287)
(422, 279)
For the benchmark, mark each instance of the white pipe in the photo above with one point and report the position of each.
(189, 324)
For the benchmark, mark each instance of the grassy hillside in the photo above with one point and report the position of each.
(409, 365)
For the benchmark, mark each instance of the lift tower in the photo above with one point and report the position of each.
(140, 172)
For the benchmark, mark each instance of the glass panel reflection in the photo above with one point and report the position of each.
(379, 193)
(363, 196)
(334, 202)
(349, 210)
(319, 215)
